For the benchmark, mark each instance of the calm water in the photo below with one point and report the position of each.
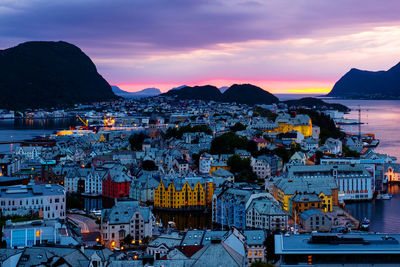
(381, 117)
(21, 129)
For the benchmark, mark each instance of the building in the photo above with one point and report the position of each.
(264, 213)
(45, 200)
(32, 233)
(126, 218)
(9, 164)
(261, 167)
(184, 193)
(255, 246)
(314, 220)
(116, 185)
(284, 124)
(164, 244)
(338, 250)
(181, 165)
(226, 175)
(354, 181)
(205, 163)
(392, 173)
(324, 187)
(142, 189)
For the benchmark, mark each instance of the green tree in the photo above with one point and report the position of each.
(242, 169)
(238, 127)
(261, 264)
(136, 140)
(227, 143)
(149, 165)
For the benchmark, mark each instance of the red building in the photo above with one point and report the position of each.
(116, 185)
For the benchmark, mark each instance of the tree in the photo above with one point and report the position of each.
(241, 168)
(227, 143)
(259, 111)
(128, 239)
(349, 152)
(238, 127)
(149, 165)
(136, 140)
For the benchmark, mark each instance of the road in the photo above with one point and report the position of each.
(87, 225)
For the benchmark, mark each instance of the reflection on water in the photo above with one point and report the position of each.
(185, 220)
(21, 129)
(383, 214)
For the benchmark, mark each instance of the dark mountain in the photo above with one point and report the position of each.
(369, 84)
(206, 92)
(43, 74)
(311, 102)
(142, 93)
(239, 93)
(248, 94)
(179, 87)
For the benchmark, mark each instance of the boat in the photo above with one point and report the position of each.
(386, 196)
(379, 196)
(364, 225)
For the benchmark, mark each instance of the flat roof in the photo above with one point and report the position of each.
(373, 244)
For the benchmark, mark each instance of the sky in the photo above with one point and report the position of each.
(283, 46)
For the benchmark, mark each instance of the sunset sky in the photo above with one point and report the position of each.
(283, 46)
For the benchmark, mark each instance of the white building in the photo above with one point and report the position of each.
(29, 152)
(264, 213)
(126, 218)
(205, 162)
(47, 200)
(261, 168)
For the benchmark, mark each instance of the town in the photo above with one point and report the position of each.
(166, 182)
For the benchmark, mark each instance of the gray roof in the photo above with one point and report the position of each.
(193, 237)
(169, 240)
(31, 190)
(311, 212)
(123, 212)
(254, 237)
(218, 254)
(265, 206)
(377, 244)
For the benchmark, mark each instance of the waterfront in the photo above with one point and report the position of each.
(380, 118)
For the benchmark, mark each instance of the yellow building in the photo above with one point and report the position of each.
(284, 124)
(284, 189)
(184, 193)
(218, 165)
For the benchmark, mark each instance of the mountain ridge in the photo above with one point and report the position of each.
(366, 84)
(44, 74)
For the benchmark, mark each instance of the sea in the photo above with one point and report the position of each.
(381, 117)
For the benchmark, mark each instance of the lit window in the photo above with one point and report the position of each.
(38, 233)
(249, 252)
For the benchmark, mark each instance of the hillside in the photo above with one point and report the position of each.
(206, 93)
(369, 84)
(244, 94)
(248, 94)
(311, 102)
(148, 92)
(43, 74)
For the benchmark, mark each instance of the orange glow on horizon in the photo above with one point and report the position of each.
(272, 86)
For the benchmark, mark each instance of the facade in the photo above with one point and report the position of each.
(392, 173)
(126, 218)
(354, 181)
(205, 163)
(324, 187)
(314, 220)
(261, 167)
(45, 200)
(284, 124)
(9, 164)
(264, 213)
(255, 247)
(184, 193)
(31, 233)
(116, 185)
(142, 189)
